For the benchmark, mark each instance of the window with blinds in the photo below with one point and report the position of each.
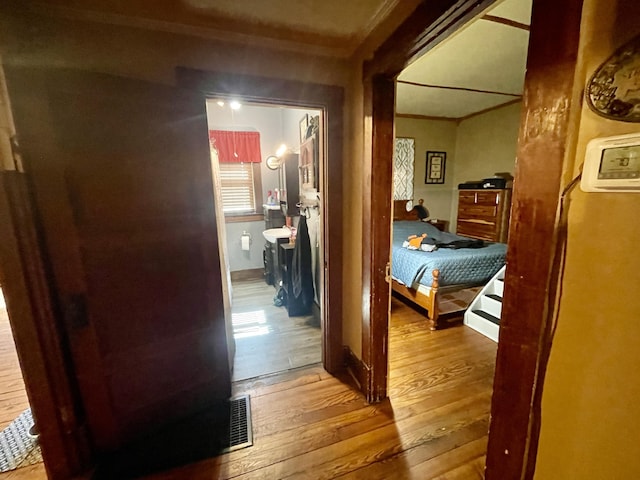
(238, 187)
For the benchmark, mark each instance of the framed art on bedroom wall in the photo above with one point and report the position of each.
(435, 167)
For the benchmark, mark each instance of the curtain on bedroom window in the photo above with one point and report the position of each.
(403, 160)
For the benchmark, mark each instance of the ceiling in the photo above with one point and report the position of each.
(479, 68)
(328, 27)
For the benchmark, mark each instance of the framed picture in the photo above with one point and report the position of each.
(435, 167)
(304, 125)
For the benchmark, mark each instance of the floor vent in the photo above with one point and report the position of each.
(240, 430)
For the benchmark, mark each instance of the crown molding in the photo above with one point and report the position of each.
(339, 47)
(462, 89)
(414, 116)
(458, 119)
(506, 21)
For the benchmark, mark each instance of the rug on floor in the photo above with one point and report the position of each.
(17, 448)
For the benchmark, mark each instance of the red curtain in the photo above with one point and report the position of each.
(236, 147)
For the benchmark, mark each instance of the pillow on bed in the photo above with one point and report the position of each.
(404, 228)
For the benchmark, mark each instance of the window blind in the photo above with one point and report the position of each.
(237, 188)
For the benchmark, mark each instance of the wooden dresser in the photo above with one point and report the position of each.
(484, 214)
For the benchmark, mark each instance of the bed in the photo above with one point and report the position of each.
(426, 278)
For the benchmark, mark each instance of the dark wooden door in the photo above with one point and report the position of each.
(122, 180)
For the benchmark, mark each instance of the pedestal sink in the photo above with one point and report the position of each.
(273, 234)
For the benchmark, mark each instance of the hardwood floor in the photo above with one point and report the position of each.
(310, 425)
(267, 339)
(13, 397)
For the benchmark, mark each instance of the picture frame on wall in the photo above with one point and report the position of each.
(436, 163)
(304, 126)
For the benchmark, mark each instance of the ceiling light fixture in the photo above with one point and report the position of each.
(235, 105)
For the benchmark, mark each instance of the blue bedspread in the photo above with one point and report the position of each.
(461, 266)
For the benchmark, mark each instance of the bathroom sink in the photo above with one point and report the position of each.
(273, 234)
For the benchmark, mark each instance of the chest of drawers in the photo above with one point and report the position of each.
(484, 214)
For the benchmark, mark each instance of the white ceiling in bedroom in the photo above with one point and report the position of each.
(488, 54)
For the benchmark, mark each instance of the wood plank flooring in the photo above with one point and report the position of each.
(267, 339)
(13, 397)
(310, 425)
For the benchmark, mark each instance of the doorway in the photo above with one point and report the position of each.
(18, 436)
(330, 100)
(267, 163)
(461, 117)
(553, 47)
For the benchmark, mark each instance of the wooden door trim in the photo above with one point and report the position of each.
(430, 23)
(379, 106)
(330, 99)
(43, 358)
(521, 360)
(531, 277)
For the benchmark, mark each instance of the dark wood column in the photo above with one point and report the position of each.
(380, 105)
(530, 277)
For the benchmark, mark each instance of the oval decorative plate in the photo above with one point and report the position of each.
(614, 89)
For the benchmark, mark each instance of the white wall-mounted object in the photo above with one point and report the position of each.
(612, 164)
(245, 241)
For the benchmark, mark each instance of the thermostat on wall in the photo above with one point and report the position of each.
(612, 164)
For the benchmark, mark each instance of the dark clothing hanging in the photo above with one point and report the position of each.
(301, 275)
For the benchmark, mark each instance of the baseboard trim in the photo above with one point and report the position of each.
(355, 367)
(252, 274)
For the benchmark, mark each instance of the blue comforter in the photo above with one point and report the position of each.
(461, 266)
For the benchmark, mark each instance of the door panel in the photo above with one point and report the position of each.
(122, 179)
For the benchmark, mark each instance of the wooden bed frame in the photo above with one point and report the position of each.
(457, 299)
(400, 210)
(431, 302)
(428, 302)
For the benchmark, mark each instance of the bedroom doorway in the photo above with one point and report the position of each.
(555, 34)
(268, 162)
(380, 96)
(461, 115)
